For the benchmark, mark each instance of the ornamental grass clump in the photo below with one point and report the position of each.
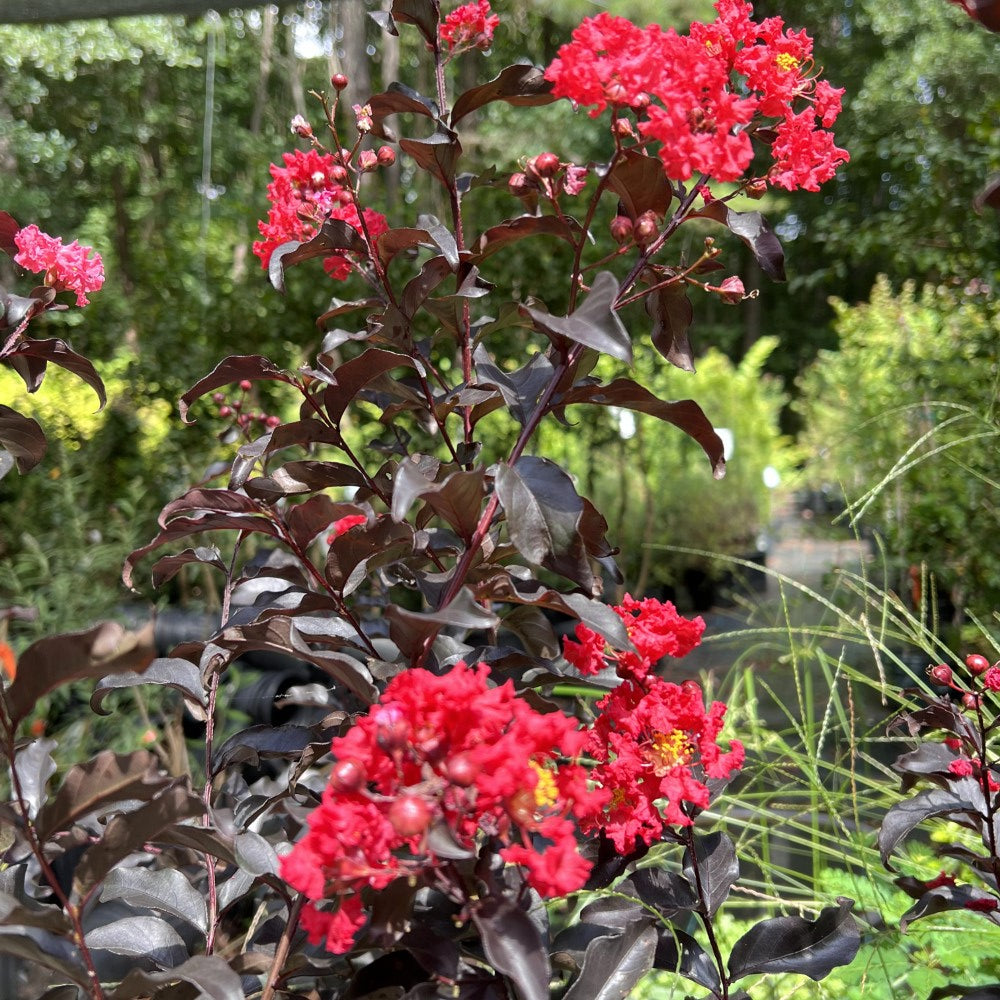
(427, 828)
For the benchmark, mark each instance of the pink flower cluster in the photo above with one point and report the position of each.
(702, 96)
(656, 630)
(468, 26)
(66, 268)
(304, 193)
(445, 752)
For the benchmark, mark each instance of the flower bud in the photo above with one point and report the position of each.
(225, 411)
(338, 174)
(339, 81)
(463, 770)
(545, 164)
(621, 229)
(367, 161)
(731, 291)
(246, 385)
(386, 156)
(273, 421)
(646, 228)
(940, 674)
(756, 188)
(301, 127)
(410, 816)
(218, 397)
(971, 701)
(393, 729)
(615, 92)
(521, 184)
(348, 776)
(977, 664)
(622, 128)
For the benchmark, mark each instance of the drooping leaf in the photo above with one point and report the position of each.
(254, 854)
(58, 352)
(640, 183)
(752, 228)
(228, 371)
(410, 629)
(168, 567)
(252, 745)
(521, 389)
(398, 99)
(613, 966)
(422, 14)
(148, 937)
(513, 946)
(514, 230)
(672, 314)
(521, 85)
(356, 554)
(335, 236)
(437, 154)
(441, 236)
(594, 324)
(40, 947)
(685, 413)
(679, 952)
(128, 832)
(717, 868)
(306, 520)
(28, 913)
(668, 891)
(209, 974)
(616, 912)
(302, 477)
(457, 499)
(927, 761)
(812, 948)
(22, 437)
(964, 799)
(99, 783)
(34, 766)
(165, 671)
(352, 376)
(56, 660)
(543, 512)
(166, 890)
(949, 897)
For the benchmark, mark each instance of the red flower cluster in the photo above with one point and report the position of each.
(447, 752)
(703, 95)
(656, 630)
(304, 193)
(67, 268)
(344, 524)
(470, 25)
(653, 743)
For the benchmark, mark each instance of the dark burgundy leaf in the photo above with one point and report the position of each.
(335, 236)
(457, 500)
(570, 945)
(8, 227)
(166, 890)
(51, 662)
(169, 566)
(534, 630)
(172, 672)
(521, 85)
(930, 761)
(413, 476)
(433, 272)
(617, 912)
(613, 966)
(302, 477)
(989, 196)
(796, 945)
(672, 314)
(233, 369)
(437, 154)
(22, 437)
(99, 784)
(255, 855)
(668, 891)
(410, 629)
(204, 839)
(149, 937)
(679, 952)
(594, 324)
(201, 500)
(543, 513)
(34, 766)
(28, 913)
(718, 868)
(685, 413)
(753, 230)
(520, 389)
(352, 376)
(397, 241)
(513, 946)
(306, 520)
(421, 13)
(265, 742)
(50, 951)
(398, 99)
(127, 832)
(514, 230)
(209, 974)
(58, 352)
(441, 236)
(909, 813)
(641, 184)
(950, 897)
(31, 370)
(355, 554)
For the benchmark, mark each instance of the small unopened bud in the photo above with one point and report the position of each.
(367, 161)
(225, 411)
(622, 128)
(641, 101)
(338, 174)
(273, 421)
(339, 81)
(545, 164)
(971, 701)
(621, 229)
(463, 770)
(301, 127)
(615, 92)
(348, 775)
(521, 184)
(977, 664)
(218, 397)
(731, 291)
(386, 156)
(246, 385)
(483, 41)
(409, 816)
(940, 674)
(646, 228)
(393, 729)
(756, 188)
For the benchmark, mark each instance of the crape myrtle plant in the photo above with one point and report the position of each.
(951, 780)
(440, 821)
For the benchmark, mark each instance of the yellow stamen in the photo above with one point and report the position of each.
(546, 791)
(667, 750)
(786, 61)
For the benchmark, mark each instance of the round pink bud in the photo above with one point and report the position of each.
(246, 385)
(621, 229)
(545, 164)
(225, 411)
(642, 101)
(463, 770)
(970, 701)
(521, 184)
(237, 404)
(338, 174)
(367, 161)
(339, 81)
(615, 92)
(977, 664)
(348, 776)
(410, 816)
(301, 127)
(622, 128)
(646, 228)
(940, 674)
(756, 188)
(393, 729)
(218, 397)
(272, 421)
(386, 156)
